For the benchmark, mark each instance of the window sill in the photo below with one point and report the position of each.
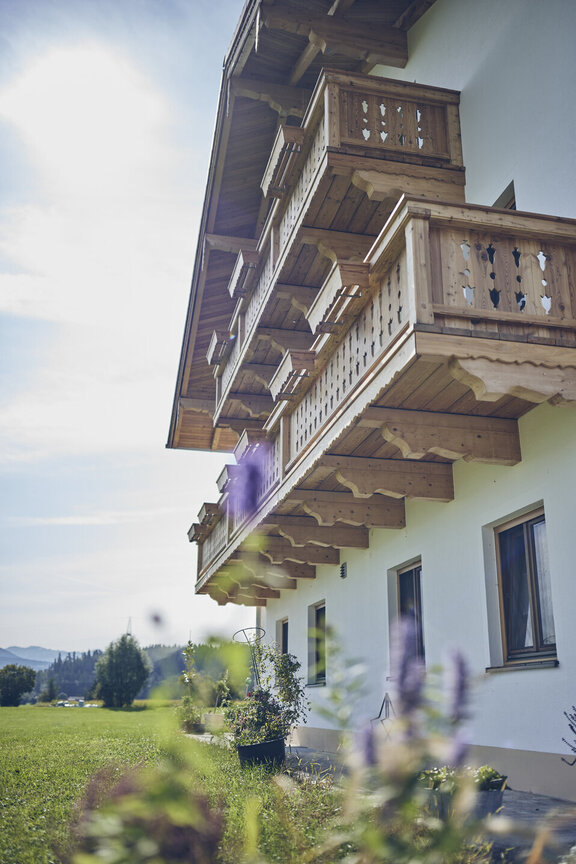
(550, 663)
(316, 684)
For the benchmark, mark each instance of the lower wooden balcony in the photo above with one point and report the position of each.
(467, 320)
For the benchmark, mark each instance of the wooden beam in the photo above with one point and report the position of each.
(337, 245)
(331, 507)
(199, 406)
(263, 372)
(382, 44)
(259, 571)
(282, 98)
(224, 243)
(398, 478)
(312, 50)
(490, 380)
(255, 403)
(291, 569)
(279, 549)
(286, 340)
(300, 296)
(454, 436)
(300, 530)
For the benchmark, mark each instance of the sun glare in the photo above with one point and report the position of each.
(88, 118)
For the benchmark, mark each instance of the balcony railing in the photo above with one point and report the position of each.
(490, 287)
(377, 132)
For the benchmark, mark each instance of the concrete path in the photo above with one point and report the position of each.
(513, 831)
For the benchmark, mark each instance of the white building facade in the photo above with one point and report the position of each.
(414, 409)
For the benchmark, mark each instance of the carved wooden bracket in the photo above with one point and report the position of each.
(331, 507)
(282, 98)
(291, 569)
(300, 530)
(286, 340)
(279, 549)
(398, 478)
(256, 404)
(453, 436)
(300, 296)
(489, 380)
(337, 245)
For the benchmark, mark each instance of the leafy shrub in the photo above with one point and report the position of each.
(189, 715)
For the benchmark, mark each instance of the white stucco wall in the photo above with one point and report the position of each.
(521, 709)
(515, 65)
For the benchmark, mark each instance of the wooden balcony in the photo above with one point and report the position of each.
(467, 320)
(333, 182)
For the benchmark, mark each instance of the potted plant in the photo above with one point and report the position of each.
(274, 705)
(442, 783)
(190, 716)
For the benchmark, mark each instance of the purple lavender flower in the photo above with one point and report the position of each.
(249, 480)
(407, 667)
(367, 745)
(457, 687)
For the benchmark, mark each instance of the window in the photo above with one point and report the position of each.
(410, 602)
(525, 595)
(282, 635)
(317, 643)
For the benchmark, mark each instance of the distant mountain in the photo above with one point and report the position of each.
(8, 656)
(35, 652)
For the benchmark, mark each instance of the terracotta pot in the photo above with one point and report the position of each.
(266, 752)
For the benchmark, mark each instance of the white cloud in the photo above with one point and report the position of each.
(90, 120)
(109, 259)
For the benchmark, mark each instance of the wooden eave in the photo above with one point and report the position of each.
(244, 134)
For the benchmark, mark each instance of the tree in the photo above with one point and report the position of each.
(14, 682)
(121, 672)
(49, 693)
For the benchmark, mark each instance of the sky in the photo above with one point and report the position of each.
(107, 110)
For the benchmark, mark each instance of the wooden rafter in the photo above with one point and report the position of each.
(453, 436)
(285, 100)
(301, 530)
(398, 478)
(279, 549)
(331, 507)
(363, 42)
(312, 49)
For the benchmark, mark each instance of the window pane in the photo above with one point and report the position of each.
(543, 582)
(284, 637)
(515, 589)
(320, 637)
(410, 604)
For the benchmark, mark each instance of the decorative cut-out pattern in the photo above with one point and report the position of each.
(388, 123)
(499, 274)
(368, 337)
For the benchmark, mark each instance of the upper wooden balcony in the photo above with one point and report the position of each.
(459, 319)
(331, 183)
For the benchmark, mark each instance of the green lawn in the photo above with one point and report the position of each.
(47, 756)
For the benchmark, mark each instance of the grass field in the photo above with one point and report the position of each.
(47, 756)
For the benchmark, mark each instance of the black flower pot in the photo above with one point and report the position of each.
(264, 753)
